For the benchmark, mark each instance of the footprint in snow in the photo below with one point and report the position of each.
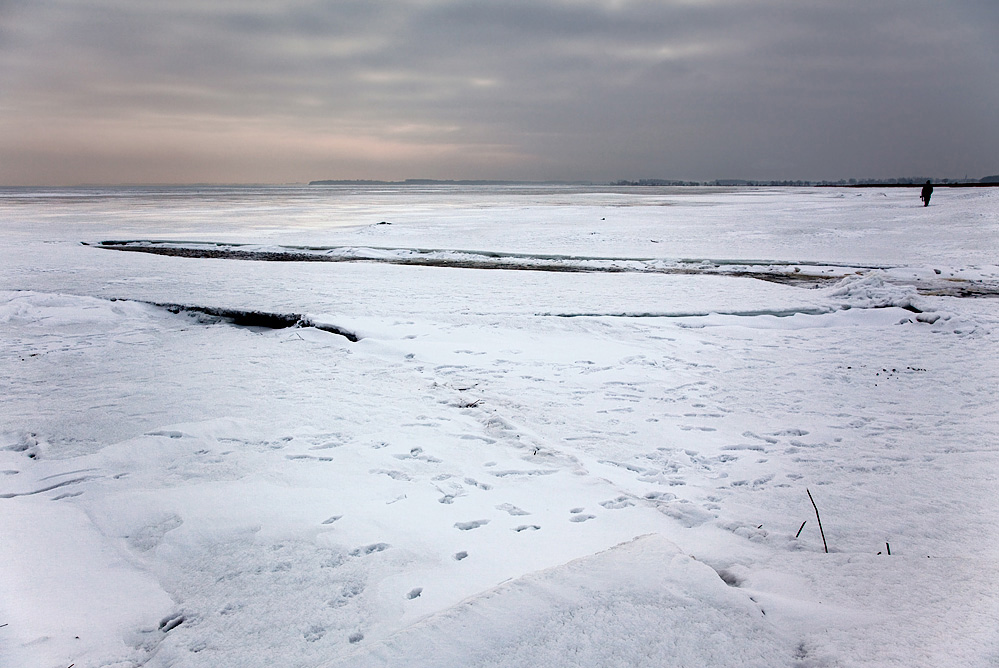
(659, 496)
(790, 432)
(475, 483)
(618, 503)
(170, 622)
(745, 446)
(759, 482)
(581, 518)
(511, 509)
(468, 526)
(347, 592)
(686, 513)
(369, 549)
(395, 475)
(148, 537)
(417, 453)
(527, 527)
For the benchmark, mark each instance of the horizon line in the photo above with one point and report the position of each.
(641, 182)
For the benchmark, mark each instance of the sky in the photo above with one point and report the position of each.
(282, 91)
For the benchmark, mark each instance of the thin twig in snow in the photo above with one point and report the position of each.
(819, 519)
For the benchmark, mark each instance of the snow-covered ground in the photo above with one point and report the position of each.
(601, 458)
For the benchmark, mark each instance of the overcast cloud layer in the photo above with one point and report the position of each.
(135, 91)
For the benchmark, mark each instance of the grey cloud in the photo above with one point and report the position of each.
(769, 89)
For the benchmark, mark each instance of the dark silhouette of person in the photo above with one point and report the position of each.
(926, 193)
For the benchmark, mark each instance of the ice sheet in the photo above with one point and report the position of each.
(467, 480)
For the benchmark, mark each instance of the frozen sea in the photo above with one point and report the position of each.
(510, 426)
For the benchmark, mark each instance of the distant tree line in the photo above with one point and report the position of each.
(901, 181)
(657, 182)
(719, 182)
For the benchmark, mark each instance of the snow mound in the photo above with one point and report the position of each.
(641, 603)
(872, 290)
(75, 599)
(66, 312)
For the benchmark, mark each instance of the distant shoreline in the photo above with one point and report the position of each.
(968, 184)
(445, 182)
(645, 183)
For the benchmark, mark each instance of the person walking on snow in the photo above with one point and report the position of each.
(925, 193)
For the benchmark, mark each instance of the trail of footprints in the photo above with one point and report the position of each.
(667, 468)
(708, 479)
(452, 488)
(343, 607)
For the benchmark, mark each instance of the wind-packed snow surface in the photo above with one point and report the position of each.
(577, 427)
